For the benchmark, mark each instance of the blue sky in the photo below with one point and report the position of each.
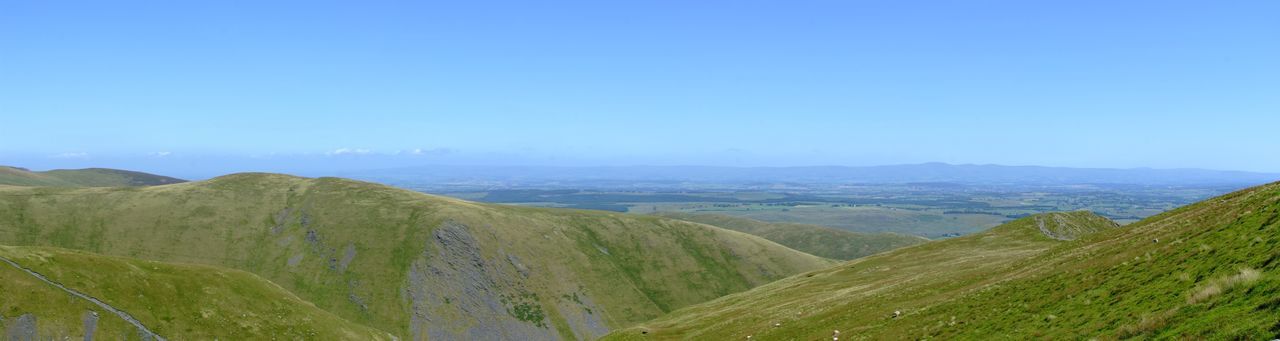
(248, 85)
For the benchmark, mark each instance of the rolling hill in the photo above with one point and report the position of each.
(173, 301)
(414, 265)
(89, 177)
(816, 240)
(1203, 271)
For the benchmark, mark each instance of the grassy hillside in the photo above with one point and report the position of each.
(1204, 271)
(412, 264)
(89, 177)
(814, 239)
(175, 301)
(862, 294)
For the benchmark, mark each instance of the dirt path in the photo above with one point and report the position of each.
(128, 318)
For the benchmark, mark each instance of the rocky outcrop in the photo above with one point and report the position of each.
(454, 293)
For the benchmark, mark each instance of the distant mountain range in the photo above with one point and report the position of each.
(913, 173)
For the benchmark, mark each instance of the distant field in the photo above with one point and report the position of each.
(923, 222)
(927, 210)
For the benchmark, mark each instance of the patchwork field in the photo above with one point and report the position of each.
(927, 210)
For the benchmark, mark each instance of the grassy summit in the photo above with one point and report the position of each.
(1207, 270)
(408, 263)
(89, 177)
(817, 240)
(175, 301)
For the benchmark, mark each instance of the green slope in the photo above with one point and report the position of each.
(408, 263)
(1204, 271)
(175, 301)
(814, 239)
(863, 293)
(89, 177)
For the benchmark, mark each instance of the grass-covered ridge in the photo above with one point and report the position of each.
(408, 263)
(862, 294)
(176, 301)
(1204, 271)
(817, 240)
(89, 177)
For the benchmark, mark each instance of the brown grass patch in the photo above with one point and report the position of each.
(1216, 287)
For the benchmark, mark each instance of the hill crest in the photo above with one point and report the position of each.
(87, 177)
(817, 240)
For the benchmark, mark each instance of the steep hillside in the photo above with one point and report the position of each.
(173, 301)
(862, 294)
(412, 264)
(814, 239)
(89, 177)
(1204, 271)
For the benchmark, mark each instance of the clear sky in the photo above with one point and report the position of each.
(778, 83)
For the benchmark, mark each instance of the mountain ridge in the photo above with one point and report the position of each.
(368, 252)
(814, 239)
(86, 177)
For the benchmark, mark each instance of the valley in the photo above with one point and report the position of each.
(1207, 270)
(639, 170)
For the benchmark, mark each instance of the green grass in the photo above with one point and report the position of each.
(1204, 271)
(862, 293)
(816, 240)
(177, 301)
(90, 177)
(297, 232)
(57, 313)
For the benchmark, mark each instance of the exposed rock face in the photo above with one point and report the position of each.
(347, 255)
(455, 294)
(90, 324)
(22, 328)
(295, 260)
(1071, 225)
(584, 317)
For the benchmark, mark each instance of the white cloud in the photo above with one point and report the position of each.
(160, 154)
(420, 151)
(78, 155)
(349, 151)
